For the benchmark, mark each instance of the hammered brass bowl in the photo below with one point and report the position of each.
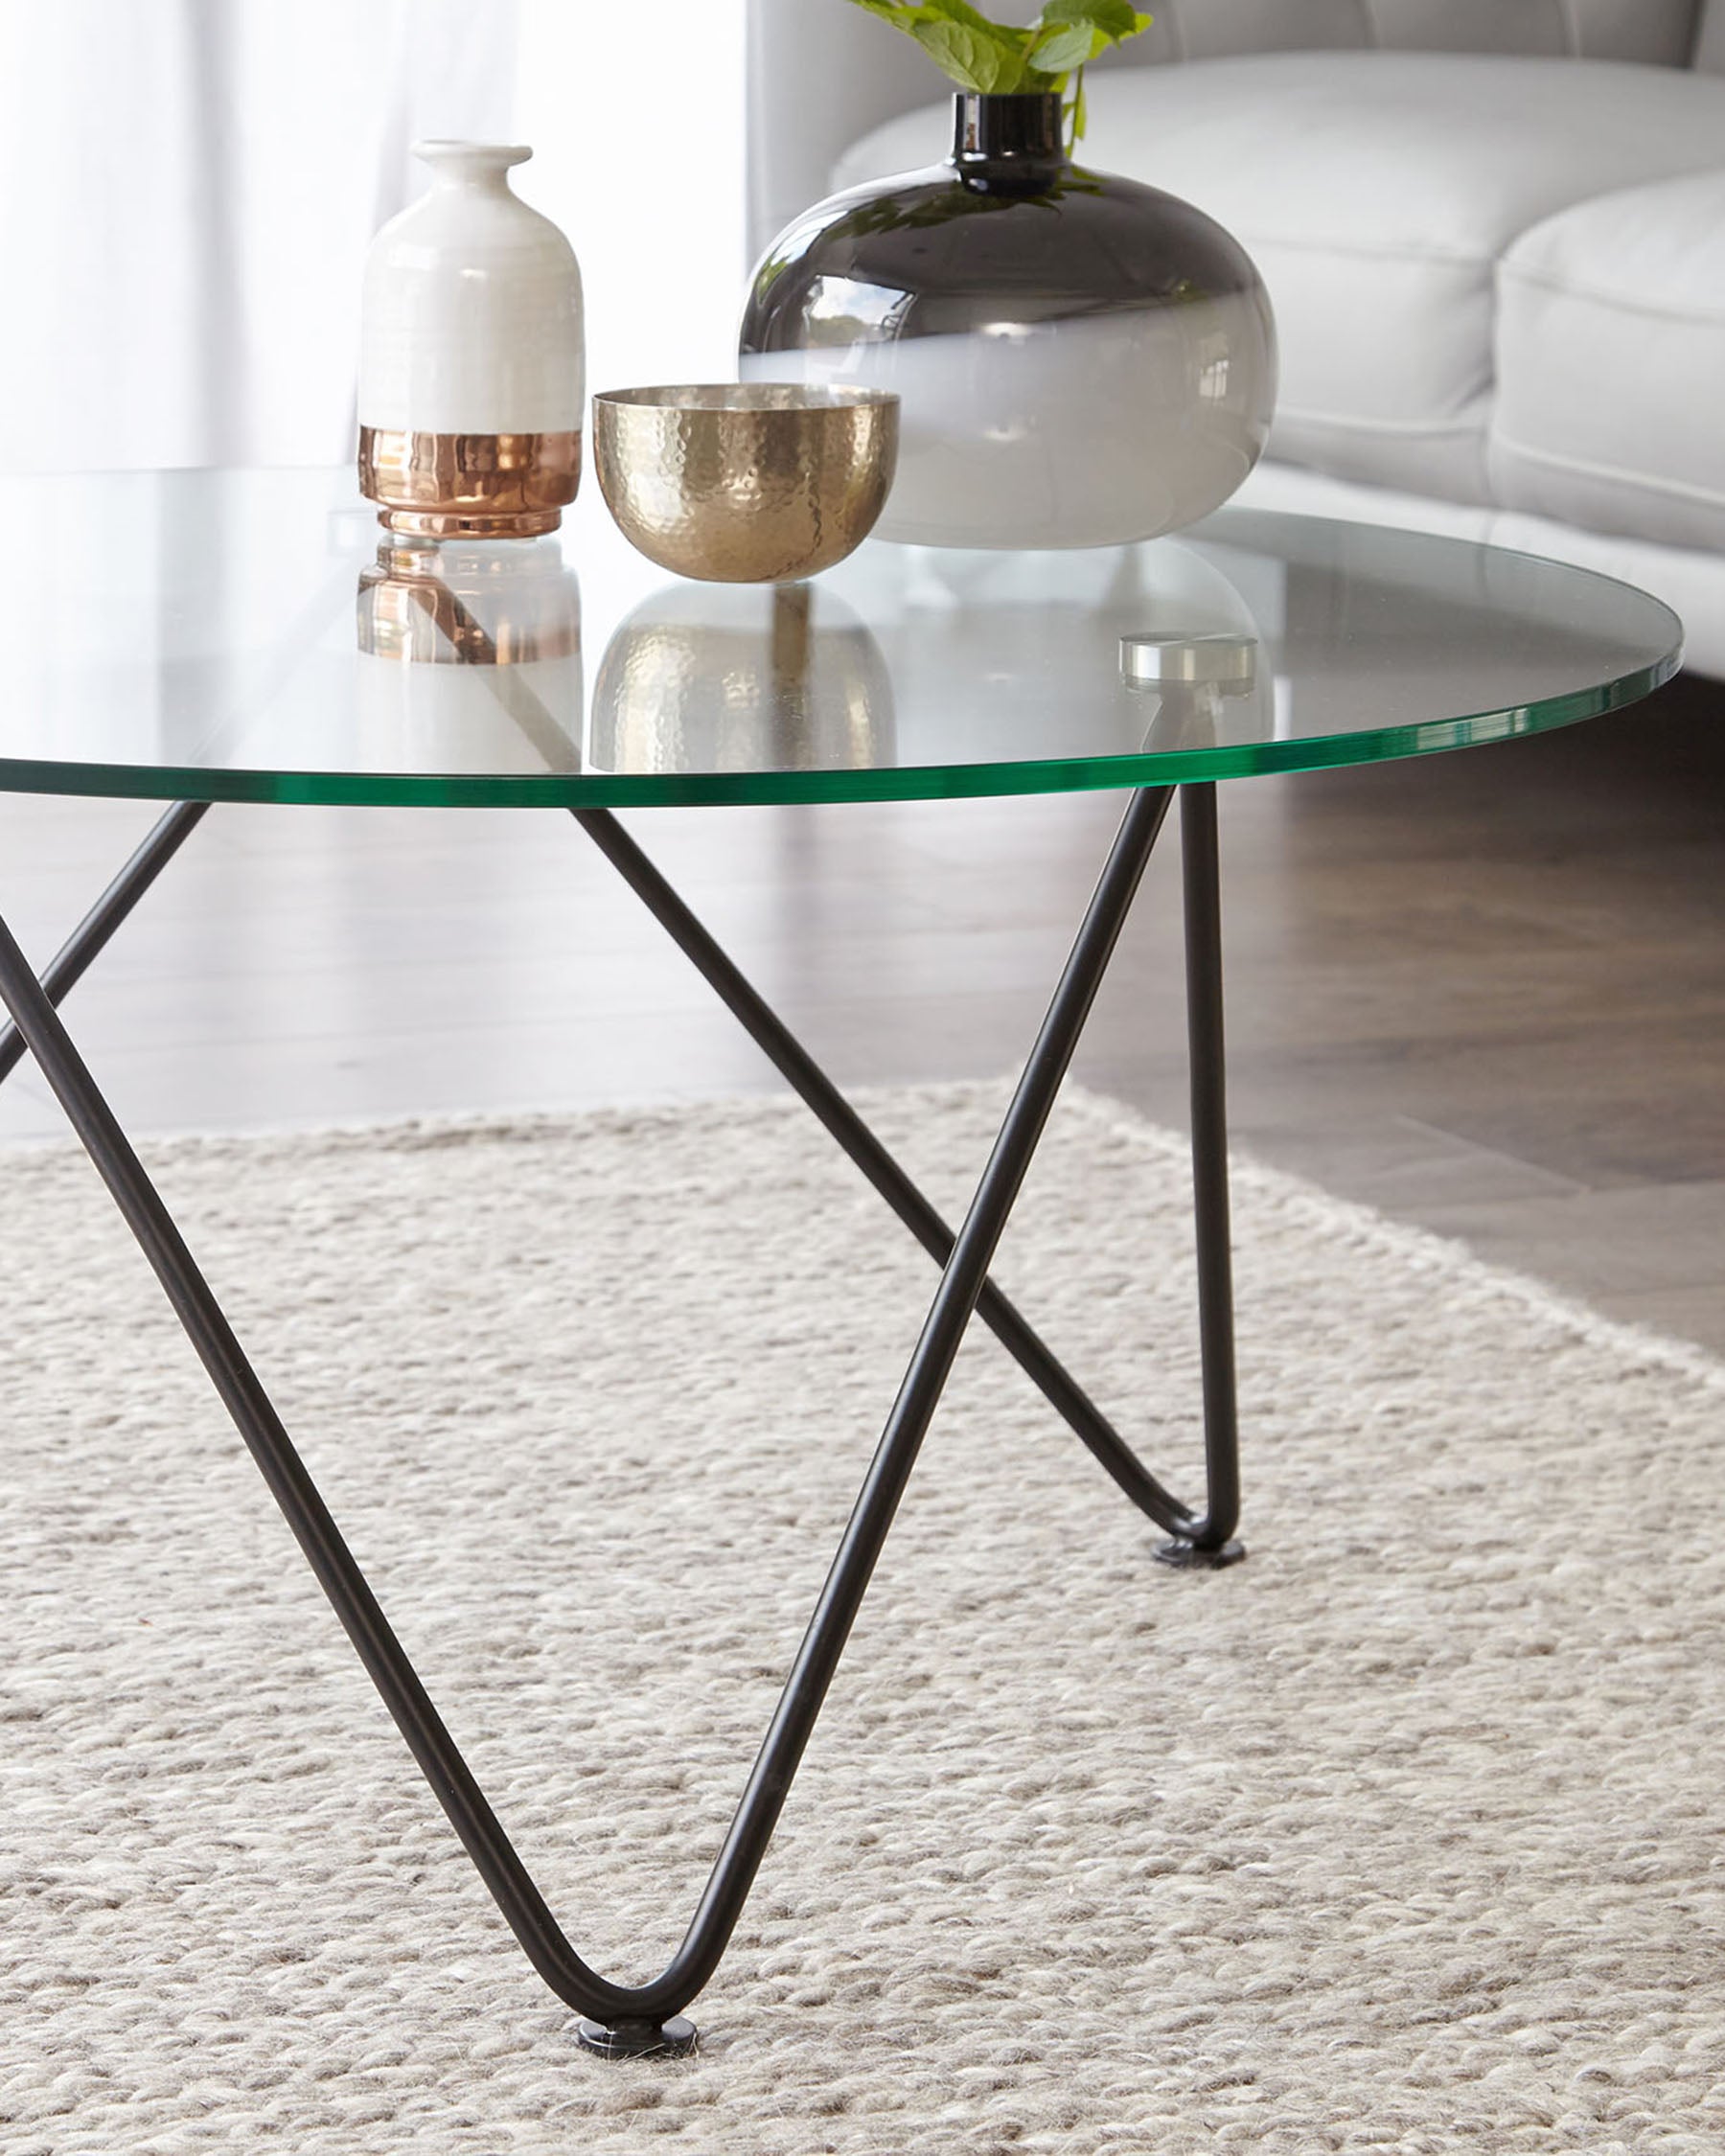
(746, 482)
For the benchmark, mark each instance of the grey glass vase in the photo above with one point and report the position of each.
(1083, 360)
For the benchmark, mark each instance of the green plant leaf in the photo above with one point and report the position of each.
(961, 11)
(1063, 47)
(974, 61)
(997, 59)
(1115, 19)
(1013, 43)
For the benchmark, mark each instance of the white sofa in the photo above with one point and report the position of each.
(1493, 231)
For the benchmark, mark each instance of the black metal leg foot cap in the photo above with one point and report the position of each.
(1188, 1557)
(636, 2039)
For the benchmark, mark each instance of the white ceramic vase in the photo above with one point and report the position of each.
(471, 372)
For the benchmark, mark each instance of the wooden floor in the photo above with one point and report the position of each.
(1485, 993)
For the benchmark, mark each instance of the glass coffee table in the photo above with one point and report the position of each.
(202, 637)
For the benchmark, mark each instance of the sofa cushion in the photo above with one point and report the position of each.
(1377, 193)
(1611, 364)
(1658, 31)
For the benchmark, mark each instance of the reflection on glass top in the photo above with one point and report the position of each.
(246, 636)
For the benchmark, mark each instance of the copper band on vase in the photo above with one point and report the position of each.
(475, 485)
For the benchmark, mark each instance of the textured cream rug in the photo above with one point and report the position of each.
(1408, 1835)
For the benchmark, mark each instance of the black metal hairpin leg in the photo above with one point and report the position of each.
(1202, 1542)
(166, 838)
(1205, 1543)
(624, 2020)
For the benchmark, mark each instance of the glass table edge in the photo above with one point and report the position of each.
(646, 790)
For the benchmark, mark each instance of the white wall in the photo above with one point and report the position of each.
(636, 120)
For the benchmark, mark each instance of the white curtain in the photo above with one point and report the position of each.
(635, 114)
(187, 190)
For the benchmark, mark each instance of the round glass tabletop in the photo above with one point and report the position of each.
(226, 635)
